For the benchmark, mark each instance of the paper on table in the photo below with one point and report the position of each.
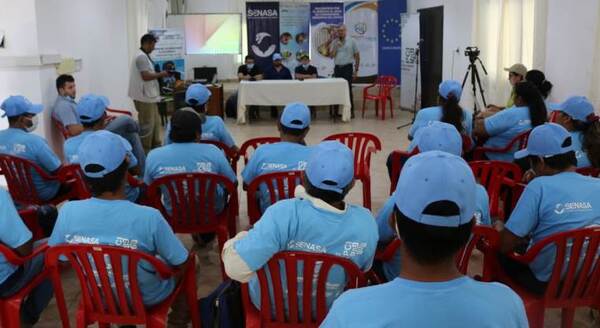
(67, 66)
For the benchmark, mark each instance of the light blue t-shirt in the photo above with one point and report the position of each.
(553, 204)
(124, 224)
(430, 114)
(17, 142)
(503, 127)
(458, 303)
(276, 157)
(189, 157)
(298, 225)
(582, 157)
(391, 269)
(14, 232)
(65, 111)
(213, 129)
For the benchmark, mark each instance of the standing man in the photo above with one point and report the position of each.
(145, 92)
(346, 58)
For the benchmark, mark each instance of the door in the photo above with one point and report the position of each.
(431, 27)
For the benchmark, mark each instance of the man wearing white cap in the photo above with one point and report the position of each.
(109, 219)
(433, 223)
(558, 199)
(317, 220)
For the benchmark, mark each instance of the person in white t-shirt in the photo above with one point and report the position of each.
(145, 92)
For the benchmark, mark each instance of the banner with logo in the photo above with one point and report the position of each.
(263, 31)
(360, 18)
(390, 40)
(294, 20)
(170, 48)
(325, 17)
(409, 56)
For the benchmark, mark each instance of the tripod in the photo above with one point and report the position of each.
(475, 81)
(417, 55)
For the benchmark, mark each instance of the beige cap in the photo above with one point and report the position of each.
(517, 69)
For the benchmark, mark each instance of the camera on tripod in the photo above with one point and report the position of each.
(472, 53)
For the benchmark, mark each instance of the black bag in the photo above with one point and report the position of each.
(231, 106)
(223, 308)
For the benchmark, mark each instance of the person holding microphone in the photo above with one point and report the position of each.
(346, 58)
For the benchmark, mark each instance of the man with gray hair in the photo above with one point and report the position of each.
(346, 58)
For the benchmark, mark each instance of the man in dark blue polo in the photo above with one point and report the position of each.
(277, 72)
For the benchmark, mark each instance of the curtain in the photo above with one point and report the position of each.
(595, 83)
(504, 31)
(137, 24)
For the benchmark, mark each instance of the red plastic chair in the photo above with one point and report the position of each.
(61, 128)
(363, 145)
(498, 178)
(105, 298)
(117, 112)
(315, 265)
(589, 171)
(280, 185)
(10, 307)
(397, 158)
(231, 155)
(252, 144)
(384, 85)
(18, 174)
(575, 278)
(192, 198)
(519, 142)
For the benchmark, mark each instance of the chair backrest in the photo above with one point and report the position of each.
(18, 174)
(498, 178)
(192, 198)
(397, 160)
(519, 142)
(589, 171)
(231, 155)
(107, 296)
(575, 278)
(279, 185)
(61, 128)
(252, 144)
(485, 239)
(314, 265)
(362, 145)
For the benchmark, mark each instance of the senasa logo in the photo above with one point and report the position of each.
(262, 13)
(572, 207)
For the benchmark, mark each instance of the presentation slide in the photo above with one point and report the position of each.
(209, 33)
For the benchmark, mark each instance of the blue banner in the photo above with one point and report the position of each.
(263, 31)
(294, 32)
(325, 17)
(390, 43)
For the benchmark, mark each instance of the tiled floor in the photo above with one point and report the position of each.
(208, 269)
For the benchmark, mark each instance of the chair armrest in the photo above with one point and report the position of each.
(119, 111)
(14, 259)
(134, 182)
(366, 89)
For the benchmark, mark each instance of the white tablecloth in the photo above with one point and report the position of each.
(312, 92)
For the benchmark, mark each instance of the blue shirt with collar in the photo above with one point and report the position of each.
(64, 111)
(283, 74)
(552, 204)
(305, 225)
(124, 224)
(213, 129)
(275, 157)
(582, 157)
(14, 232)
(391, 269)
(189, 157)
(19, 143)
(461, 302)
(503, 127)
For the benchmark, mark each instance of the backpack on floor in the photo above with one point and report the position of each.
(231, 106)
(223, 308)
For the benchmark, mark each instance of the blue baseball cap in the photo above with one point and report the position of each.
(295, 116)
(450, 87)
(577, 107)
(19, 105)
(277, 56)
(197, 94)
(546, 140)
(105, 149)
(436, 176)
(439, 136)
(330, 166)
(91, 107)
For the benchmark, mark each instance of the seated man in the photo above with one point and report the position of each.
(65, 112)
(317, 220)
(288, 155)
(109, 219)
(277, 72)
(15, 235)
(436, 136)
(250, 72)
(18, 141)
(305, 70)
(434, 207)
(213, 127)
(558, 199)
(92, 115)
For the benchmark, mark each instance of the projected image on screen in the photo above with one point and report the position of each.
(212, 34)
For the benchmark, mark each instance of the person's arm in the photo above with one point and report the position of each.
(522, 221)
(46, 158)
(168, 246)
(243, 77)
(74, 129)
(149, 76)
(146, 71)
(479, 128)
(14, 232)
(386, 233)
(259, 77)
(493, 125)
